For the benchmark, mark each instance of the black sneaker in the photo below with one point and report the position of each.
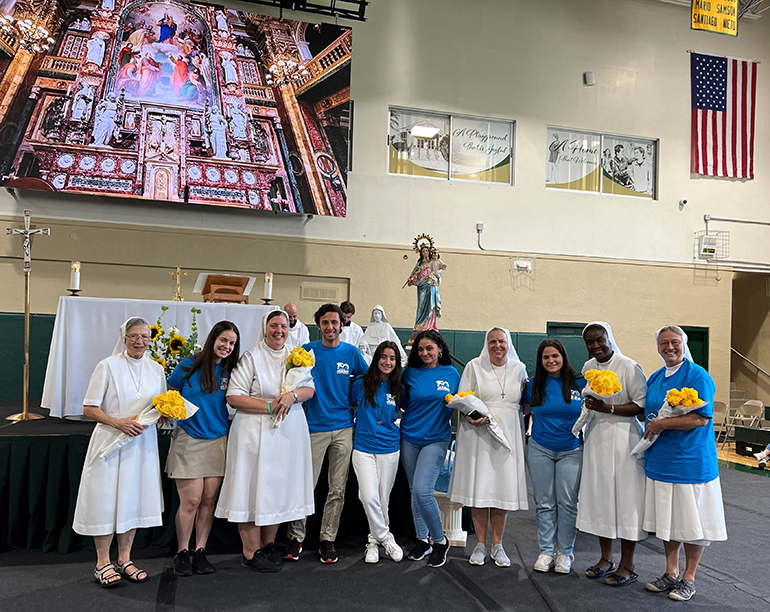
(200, 563)
(260, 563)
(421, 549)
(292, 551)
(327, 552)
(272, 553)
(438, 556)
(182, 563)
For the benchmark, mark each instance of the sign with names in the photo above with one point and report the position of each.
(715, 16)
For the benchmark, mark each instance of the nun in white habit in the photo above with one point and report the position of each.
(122, 492)
(485, 476)
(378, 331)
(612, 487)
(269, 472)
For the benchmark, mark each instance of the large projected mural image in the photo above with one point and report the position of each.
(184, 102)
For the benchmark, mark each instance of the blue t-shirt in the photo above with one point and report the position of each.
(426, 416)
(329, 409)
(376, 429)
(686, 455)
(554, 418)
(211, 420)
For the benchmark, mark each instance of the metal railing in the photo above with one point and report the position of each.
(750, 362)
(328, 61)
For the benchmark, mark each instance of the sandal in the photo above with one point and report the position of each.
(621, 581)
(131, 576)
(105, 579)
(594, 572)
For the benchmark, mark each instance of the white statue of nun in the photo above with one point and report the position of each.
(379, 330)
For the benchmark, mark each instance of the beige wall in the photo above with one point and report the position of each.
(751, 334)
(479, 289)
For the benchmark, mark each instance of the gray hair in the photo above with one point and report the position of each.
(673, 328)
(134, 321)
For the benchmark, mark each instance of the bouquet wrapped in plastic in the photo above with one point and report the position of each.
(169, 404)
(602, 384)
(299, 365)
(466, 402)
(678, 402)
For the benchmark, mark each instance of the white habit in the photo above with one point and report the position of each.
(612, 485)
(485, 474)
(380, 331)
(122, 492)
(269, 471)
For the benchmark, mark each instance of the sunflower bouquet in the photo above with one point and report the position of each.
(169, 347)
(169, 404)
(678, 402)
(602, 384)
(297, 373)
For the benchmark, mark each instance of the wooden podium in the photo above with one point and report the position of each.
(224, 288)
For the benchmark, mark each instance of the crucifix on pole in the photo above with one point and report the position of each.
(26, 232)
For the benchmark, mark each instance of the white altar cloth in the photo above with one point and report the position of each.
(86, 329)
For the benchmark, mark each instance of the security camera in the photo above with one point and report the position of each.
(682, 202)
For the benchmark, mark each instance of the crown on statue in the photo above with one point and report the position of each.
(423, 240)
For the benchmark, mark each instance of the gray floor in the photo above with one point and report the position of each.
(733, 576)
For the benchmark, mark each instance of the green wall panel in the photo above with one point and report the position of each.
(12, 357)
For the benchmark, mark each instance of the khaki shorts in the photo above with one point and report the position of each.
(190, 457)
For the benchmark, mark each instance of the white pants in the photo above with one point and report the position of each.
(376, 475)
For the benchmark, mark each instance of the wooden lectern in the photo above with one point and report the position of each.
(224, 288)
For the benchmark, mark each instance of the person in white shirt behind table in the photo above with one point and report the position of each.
(298, 332)
(351, 332)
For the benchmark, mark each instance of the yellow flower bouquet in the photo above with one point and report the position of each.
(678, 402)
(297, 374)
(169, 404)
(467, 403)
(601, 384)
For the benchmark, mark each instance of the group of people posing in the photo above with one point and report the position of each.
(261, 470)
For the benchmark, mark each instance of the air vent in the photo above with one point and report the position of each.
(319, 293)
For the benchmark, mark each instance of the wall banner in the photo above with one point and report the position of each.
(628, 166)
(481, 150)
(418, 144)
(572, 160)
(720, 16)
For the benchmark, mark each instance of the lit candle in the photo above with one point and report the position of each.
(267, 294)
(75, 275)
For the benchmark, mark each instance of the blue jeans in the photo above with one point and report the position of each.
(555, 479)
(422, 465)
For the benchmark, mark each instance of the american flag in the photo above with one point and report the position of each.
(723, 96)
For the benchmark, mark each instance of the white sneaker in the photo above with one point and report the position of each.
(372, 554)
(393, 550)
(760, 456)
(478, 555)
(544, 563)
(499, 557)
(563, 564)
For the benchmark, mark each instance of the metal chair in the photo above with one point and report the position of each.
(752, 411)
(719, 419)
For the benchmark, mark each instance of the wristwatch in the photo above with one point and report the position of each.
(612, 409)
(296, 399)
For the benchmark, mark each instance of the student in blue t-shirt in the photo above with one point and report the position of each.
(554, 455)
(196, 458)
(684, 498)
(330, 421)
(425, 434)
(376, 445)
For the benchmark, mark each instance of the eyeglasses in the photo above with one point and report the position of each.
(673, 343)
(135, 337)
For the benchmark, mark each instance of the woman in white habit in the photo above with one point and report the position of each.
(122, 492)
(485, 475)
(269, 472)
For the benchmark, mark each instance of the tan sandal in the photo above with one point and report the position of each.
(131, 576)
(105, 579)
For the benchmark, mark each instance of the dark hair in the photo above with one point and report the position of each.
(326, 309)
(372, 375)
(274, 314)
(348, 307)
(541, 376)
(204, 361)
(444, 356)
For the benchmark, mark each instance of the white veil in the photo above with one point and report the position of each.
(120, 346)
(610, 338)
(512, 355)
(263, 326)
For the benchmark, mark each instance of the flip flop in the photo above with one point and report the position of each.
(594, 572)
(621, 581)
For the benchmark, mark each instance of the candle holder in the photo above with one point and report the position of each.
(267, 301)
(74, 292)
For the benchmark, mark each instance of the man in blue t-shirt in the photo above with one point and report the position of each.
(330, 421)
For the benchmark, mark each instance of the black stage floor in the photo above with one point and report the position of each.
(732, 577)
